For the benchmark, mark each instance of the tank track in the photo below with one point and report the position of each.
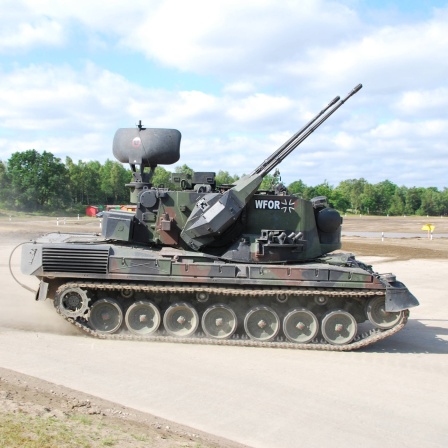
(360, 341)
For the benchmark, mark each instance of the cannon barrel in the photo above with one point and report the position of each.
(214, 213)
(273, 156)
(281, 153)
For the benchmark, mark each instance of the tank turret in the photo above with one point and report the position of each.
(222, 222)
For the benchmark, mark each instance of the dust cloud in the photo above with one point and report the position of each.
(19, 310)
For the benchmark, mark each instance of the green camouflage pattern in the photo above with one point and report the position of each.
(216, 262)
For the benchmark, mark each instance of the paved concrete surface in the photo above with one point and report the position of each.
(390, 395)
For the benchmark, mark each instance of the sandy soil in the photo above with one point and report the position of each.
(397, 248)
(33, 396)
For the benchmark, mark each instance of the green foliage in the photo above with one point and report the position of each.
(41, 182)
(162, 178)
(398, 202)
(184, 169)
(339, 201)
(23, 431)
(319, 190)
(84, 181)
(383, 198)
(37, 181)
(352, 190)
(223, 177)
(270, 181)
(4, 182)
(113, 178)
(297, 188)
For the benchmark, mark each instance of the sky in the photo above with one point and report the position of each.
(237, 78)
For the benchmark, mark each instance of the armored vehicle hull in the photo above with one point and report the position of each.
(115, 291)
(228, 264)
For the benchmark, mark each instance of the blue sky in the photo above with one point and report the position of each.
(237, 79)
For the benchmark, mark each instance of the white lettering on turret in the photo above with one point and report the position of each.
(265, 204)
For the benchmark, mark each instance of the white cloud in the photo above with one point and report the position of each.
(226, 37)
(431, 129)
(58, 96)
(259, 106)
(422, 102)
(42, 101)
(344, 140)
(30, 35)
(239, 87)
(113, 16)
(278, 62)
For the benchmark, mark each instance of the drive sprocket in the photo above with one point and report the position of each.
(72, 302)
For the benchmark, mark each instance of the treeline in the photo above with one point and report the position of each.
(33, 181)
(383, 198)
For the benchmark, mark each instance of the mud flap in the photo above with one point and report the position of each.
(398, 297)
(41, 293)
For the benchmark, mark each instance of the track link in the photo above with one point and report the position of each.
(360, 341)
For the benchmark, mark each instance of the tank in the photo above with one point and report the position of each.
(217, 264)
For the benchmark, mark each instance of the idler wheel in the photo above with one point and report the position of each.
(106, 316)
(339, 327)
(143, 318)
(181, 320)
(72, 302)
(300, 325)
(262, 323)
(378, 316)
(219, 321)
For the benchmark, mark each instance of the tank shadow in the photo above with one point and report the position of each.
(418, 336)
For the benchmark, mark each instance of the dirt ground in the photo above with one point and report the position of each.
(396, 248)
(97, 422)
(24, 395)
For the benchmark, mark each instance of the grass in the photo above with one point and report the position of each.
(22, 431)
(19, 430)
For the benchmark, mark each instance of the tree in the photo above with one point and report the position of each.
(223, 177)
(184, 169)
(339, 201)
(92, 182)
(162, 177)
(384, 192)
(297, 187)
(444, 202)
(270, 181)
(38, 180)
(413, 200)
(84, 180)
(113, 177)
(369, 199)
(74, 174)
(352, 189)
(324, 189)
(397, 203)
(430, 203)
(4, 182)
